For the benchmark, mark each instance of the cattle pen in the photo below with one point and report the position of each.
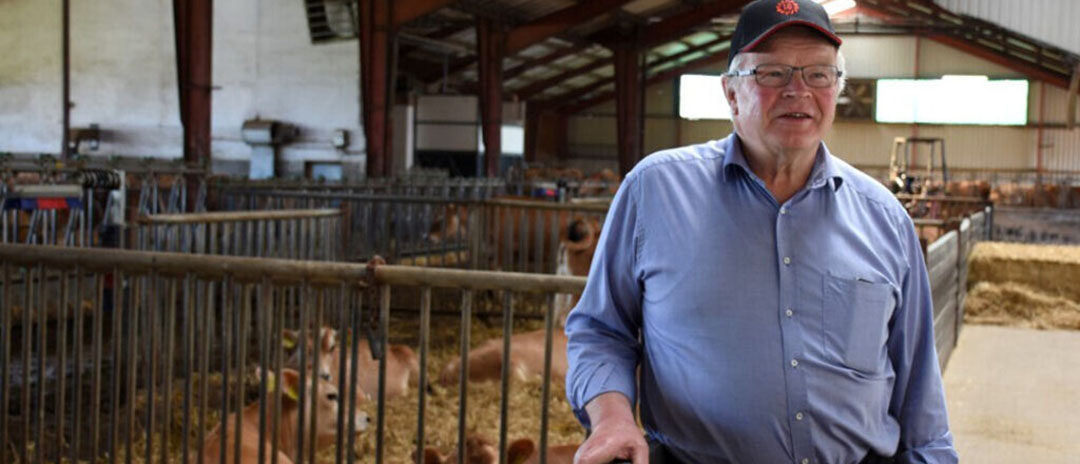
(181, 317)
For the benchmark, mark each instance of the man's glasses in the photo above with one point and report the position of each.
(779, 75)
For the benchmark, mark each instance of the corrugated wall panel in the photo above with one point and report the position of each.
(965, 146)
(1057, 104)
(1061, 150)
(870, 57)
(1052, 21)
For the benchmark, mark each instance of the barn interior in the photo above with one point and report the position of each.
(183, 180)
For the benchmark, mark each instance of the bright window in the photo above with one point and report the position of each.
(701, 96)
(953, 100)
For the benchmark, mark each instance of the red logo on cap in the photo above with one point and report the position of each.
(787, 7)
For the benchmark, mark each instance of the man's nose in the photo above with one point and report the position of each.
(796, 86)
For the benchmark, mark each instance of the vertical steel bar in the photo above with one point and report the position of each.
(266, 310)
(188, 308)
(306, 333)
(244, 293)
(95, 395)
(346, 403)
(227, 310)
(425, 328)
(168, 355)
(26, 331)
(463, 379)
(355, 319)
(504, 398)
(538, 265)
(205, 339)
(78, 346)
(315, 366)
(279, 325)
(118, 313)
(150, 328)
(62, 323)
(5, 356)
(523, 246)
(43, 354)
(132, 361)
(545, 400)
(384, 322)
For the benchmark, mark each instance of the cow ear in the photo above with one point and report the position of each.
(329, 340)
(289, 338)
(290, 384)
(520, 450)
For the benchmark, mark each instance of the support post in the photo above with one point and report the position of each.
(491, 48)
(376, 83)
(193, 22)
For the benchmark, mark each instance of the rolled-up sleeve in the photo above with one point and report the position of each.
(603, 348)
(918, 400)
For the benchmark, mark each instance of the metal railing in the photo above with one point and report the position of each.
(313, 234)
(111, 353)
(505, 234)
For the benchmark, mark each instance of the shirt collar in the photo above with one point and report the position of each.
(823, 173)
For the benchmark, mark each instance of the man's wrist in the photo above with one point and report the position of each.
(609, 407)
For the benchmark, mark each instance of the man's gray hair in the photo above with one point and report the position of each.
(740, 60)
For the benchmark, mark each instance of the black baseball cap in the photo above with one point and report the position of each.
(762, 18)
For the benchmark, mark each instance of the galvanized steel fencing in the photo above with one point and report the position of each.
(313, 234)
(109, 353)
(947, 262)
(504, 234)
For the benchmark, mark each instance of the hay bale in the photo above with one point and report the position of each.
(1050, 269)
(1018, 305)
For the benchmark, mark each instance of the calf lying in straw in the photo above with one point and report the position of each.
(402, 366)
(289, 423)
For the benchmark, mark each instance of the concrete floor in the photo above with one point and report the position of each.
(1014, 395)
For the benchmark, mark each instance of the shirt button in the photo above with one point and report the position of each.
(783, 210)
(787, 260)
(798, 416)
(794, 363)
(805, 461)
(789, 312)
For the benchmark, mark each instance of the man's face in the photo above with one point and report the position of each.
(794, 117)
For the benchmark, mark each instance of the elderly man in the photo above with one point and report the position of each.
(774, 298)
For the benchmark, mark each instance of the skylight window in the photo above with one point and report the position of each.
(953, 100)
(701, 96)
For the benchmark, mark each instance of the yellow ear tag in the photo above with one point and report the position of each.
(288, 343)
(291, 393)
(270, 383)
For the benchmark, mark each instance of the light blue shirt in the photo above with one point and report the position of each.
(768, 332)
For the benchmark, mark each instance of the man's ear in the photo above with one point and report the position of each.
(729, 95)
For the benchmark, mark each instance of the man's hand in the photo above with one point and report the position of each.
(615, 435)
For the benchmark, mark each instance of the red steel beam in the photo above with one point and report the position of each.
(375, 88)
(628, 105)
(193, 23)
(541, 28)
(985, 53)
(491, 48)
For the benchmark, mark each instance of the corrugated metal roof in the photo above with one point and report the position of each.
(1051, 21)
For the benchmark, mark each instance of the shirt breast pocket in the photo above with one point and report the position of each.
(856, 313)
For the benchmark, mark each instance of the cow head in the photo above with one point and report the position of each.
(324, 366)
(580, 244)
